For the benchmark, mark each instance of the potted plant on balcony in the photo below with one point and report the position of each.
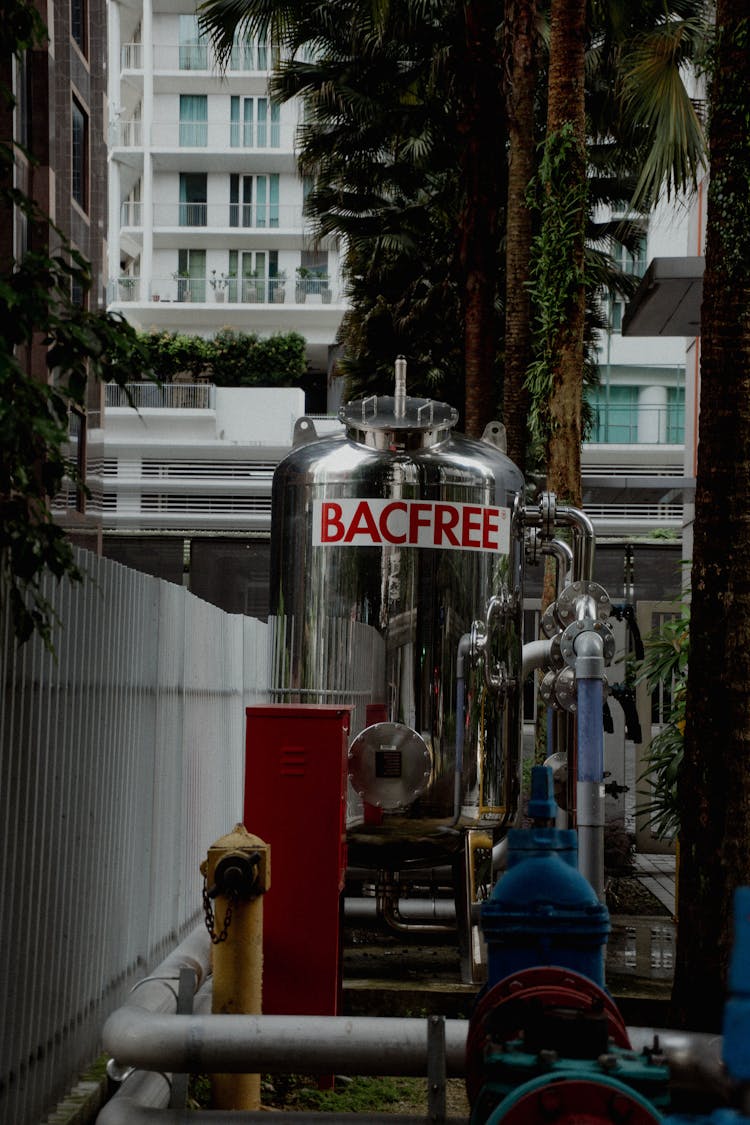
(183, 286)
(303, 276)
(277, 287)
(326, 293)
(218, 283)
(127, 287)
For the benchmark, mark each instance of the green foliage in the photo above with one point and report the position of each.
(229, 359)
(665, 666)
(36, 306)
(355, 1095)
(559, 193)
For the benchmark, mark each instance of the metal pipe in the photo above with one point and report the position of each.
(389, 910)
(272, 1044)
(133, 1114)
(410, 909)
(589, 668)
(399, 395)
(694, 1058)
(535, 655)
(563, 556)
(583, 531)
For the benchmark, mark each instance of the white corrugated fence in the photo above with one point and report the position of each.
(121, 762)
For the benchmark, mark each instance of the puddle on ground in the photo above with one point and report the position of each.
(642, 947)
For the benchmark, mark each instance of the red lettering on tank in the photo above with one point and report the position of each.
(416, 513)
(471, 524)
(446, 518)
(490, 528)
(331, 525)
(385, 530)
(363, 523)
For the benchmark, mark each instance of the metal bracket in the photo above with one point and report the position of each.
(436, 1069)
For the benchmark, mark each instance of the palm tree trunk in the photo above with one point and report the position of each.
(714, 782)
(520, 85)
(565, 107)
(482, 128)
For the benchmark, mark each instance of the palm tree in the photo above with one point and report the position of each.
(564, 211)
(521, 52)
(714, 782)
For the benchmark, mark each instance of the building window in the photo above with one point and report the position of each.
(259, 203)
(193, 48)
(79, 155)
(252, 54)
(79, 23)
(615, 415)
(193, 199)
(250, 273)
(254, 123)
(191, 275)
(676, 415)
(193, 120)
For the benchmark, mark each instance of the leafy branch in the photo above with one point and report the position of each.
(665, 666)
(559, 194)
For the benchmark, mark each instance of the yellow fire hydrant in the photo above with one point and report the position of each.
(237, 872)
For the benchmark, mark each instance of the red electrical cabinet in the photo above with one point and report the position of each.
(295, 800)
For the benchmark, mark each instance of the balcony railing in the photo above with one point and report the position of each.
(171, 396)
(223, 136)
(126, 134)
(638, 425)
(232, 290)
(250, 58)
(239, 216)
(130, 213)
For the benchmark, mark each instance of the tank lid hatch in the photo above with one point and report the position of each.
(385, 422)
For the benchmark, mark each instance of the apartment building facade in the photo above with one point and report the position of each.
(205, 200)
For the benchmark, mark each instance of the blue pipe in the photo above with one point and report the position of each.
(589, 668)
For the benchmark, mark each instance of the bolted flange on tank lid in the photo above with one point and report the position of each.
(398, 420)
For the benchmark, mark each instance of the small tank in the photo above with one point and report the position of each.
(396, 589)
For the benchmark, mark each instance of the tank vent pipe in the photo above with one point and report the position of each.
(399, 397)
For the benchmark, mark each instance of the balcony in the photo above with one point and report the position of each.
(248, 58)
(231, 291)
(223, 135)
(634, 424)
(126, 133)
(170, 396)
(229, 216)
(131, 213)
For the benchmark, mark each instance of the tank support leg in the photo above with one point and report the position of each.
(467, 881)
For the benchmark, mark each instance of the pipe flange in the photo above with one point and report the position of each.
(548, 514)
(556, 658)
(597, 602)
(573, 632)
(566, 691)
(532, 545)
(547, 690)
(549, 623)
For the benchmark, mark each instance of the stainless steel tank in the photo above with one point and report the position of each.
(392, 545)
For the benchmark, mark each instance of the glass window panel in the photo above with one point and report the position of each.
(79, 155)
(275, 125)
(247, 119)
(615, 415)
(234, 122)
(676, 415)
(262, 137)
(193, 52)
(193, 199)
(193, 120)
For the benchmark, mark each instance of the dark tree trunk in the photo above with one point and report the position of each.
(714, 783)
(566, 107)
(482, 130)
(520, 85)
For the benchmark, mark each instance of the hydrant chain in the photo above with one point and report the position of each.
(209, 916)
